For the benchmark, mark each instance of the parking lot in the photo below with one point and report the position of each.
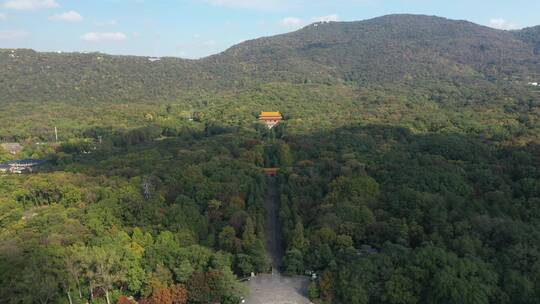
(277, 289)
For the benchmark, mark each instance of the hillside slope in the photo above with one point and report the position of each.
(531, 35)
(392, 49)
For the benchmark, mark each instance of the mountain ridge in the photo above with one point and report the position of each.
(392, 49)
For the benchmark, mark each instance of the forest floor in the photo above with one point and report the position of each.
(276, 288)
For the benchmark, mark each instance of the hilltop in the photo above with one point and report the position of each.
(395, 48)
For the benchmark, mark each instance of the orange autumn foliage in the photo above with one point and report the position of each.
(176, 294)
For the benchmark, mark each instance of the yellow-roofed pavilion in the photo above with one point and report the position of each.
(271, 119)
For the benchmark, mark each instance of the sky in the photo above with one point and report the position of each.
(198, 28)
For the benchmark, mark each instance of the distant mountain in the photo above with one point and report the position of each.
(531, 36)
(391, 48)
(385, 51)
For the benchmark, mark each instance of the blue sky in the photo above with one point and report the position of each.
(197, 28)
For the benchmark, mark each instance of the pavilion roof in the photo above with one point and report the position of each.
(270, 114)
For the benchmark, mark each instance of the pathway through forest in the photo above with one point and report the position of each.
(275, 288)
(273, 228)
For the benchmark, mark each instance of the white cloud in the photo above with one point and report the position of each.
(3, 16)
(209, 43)
(13, 34)
(329, 18)
(30, 4)
(256, 4)
(101, 37)
(71, 16)
(502, 24)
(291, 22)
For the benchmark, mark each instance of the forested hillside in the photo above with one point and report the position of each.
(400, 62)
(408, 50)
(385, 216)
(398, 48)
(408, 164)
(153, 220)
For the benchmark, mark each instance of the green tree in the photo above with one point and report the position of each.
(227, 239)
(105, 266)
(294, 262)
(399, 289)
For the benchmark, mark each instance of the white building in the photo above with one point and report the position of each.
(20, 166)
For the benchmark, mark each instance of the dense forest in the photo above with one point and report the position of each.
(152, 220)
(387, 216)
(409, 160)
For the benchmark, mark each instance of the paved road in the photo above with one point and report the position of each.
(275, 288)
